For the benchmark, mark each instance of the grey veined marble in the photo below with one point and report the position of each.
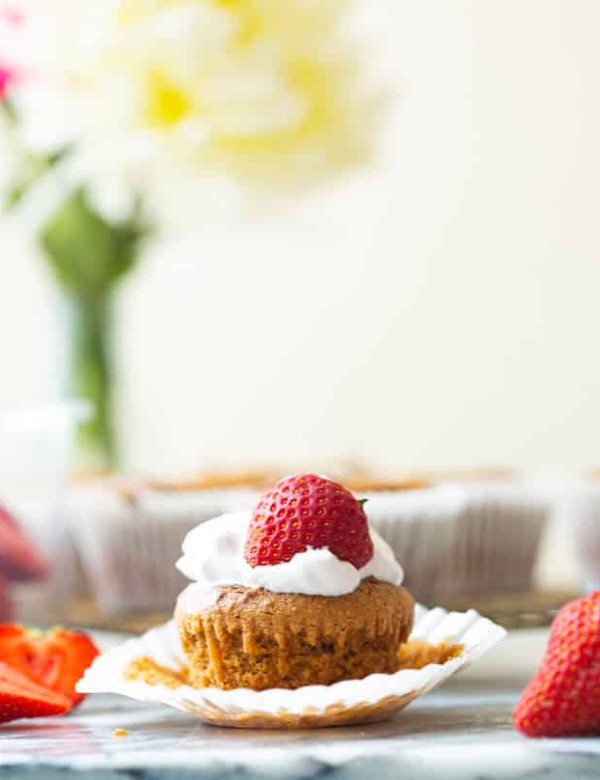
(462, 731)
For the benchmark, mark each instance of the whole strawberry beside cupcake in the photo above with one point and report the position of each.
(298, 592)
(563, 698)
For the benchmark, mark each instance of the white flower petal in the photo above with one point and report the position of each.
(168, 95)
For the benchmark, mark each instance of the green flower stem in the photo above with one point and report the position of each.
(7, 110)
(89, 257)
(91, 374)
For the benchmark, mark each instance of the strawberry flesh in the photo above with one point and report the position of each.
(22, 698)
(56, 659)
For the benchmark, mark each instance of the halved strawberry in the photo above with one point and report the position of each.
(55, 659)
(22, 698)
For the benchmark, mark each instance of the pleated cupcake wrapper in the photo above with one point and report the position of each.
(351, 701)
(455, 541)
(123, 547)
(191, 503)
(420, 528)
(496, 544)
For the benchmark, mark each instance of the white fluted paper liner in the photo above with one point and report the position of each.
(123, 543)
(460, 540)
(351, 701)
(420, 526)
(497, 541)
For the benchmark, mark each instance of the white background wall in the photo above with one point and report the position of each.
(441, 308)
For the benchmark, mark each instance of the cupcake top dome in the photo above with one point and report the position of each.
(307, 535)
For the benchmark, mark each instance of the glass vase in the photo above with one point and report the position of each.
(90, 376)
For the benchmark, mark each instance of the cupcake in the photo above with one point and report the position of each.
(462, 539)
(298, 592)
(123, 533)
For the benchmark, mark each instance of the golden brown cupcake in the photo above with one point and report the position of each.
(298, 592)
(254, 638)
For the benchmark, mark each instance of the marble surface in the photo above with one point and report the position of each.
(460, 731)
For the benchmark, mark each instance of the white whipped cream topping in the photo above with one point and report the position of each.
(213, 554)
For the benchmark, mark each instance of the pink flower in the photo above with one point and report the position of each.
(7, 78)
(13, 17)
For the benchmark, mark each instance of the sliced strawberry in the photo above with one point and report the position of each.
(56, 659)
(21, 698)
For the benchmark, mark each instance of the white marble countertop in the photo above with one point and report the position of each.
(461, 731)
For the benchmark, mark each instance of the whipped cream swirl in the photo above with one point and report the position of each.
(213, 554)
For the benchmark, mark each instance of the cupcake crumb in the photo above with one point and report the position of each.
(120, 733)
(148, 671)
(416, 654)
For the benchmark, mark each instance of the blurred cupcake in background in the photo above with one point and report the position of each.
(420, 526)
(121, 532)
(464, 538)
(460, 533)
(497, 542)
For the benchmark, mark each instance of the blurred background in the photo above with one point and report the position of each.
(430, 308)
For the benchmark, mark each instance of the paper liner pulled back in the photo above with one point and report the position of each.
(373, 698)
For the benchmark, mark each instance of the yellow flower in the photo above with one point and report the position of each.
(166, 103)
(263, 92)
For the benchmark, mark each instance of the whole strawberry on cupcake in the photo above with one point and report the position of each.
(298, 592)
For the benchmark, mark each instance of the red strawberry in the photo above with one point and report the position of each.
(19, 560)
(22, 698)
(6, 605)
(308, 511)
(56, 659)
(564, 696)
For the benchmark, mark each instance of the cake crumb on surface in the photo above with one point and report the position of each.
(119, 733)
(150, 672)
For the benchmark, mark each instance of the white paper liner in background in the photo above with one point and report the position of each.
(348, 702)
(421, 527)
(498, 535)
(462, 540)
(123, 543)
